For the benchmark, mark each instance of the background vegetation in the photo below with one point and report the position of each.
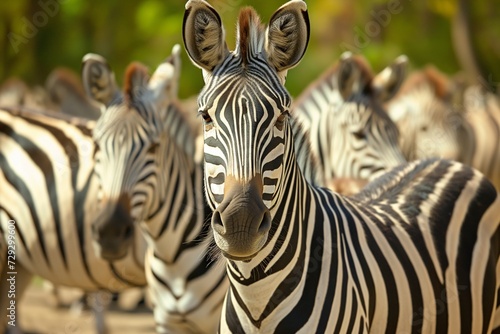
(39, 35)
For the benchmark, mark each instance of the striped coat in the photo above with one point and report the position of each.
(439, 120)
(345, 106)
(150, 161)
(416, 251)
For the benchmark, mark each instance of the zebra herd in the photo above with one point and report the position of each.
(231, 224)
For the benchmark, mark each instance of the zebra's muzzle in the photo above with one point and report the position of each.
(113, 231)
(241, 223)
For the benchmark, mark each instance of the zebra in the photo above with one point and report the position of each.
(51, 186)
(345, 106)
(14, 93)
(440, 120)
(416, 251)
(149, 156)
(47, 188)
(63, 93)
(65, 90)
(482, 113)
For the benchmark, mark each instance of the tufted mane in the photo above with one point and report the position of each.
(250, 34)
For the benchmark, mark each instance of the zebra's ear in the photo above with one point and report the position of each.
(165, 80)
(66, 90)
(203, 35)
(388, 82)
(349, 76)
(98, 79)
(287, 36)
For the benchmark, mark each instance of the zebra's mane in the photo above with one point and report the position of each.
(135, 82)
(428, 76)
(393, 183)
(325, 78)
(250, 35)
(330, 78)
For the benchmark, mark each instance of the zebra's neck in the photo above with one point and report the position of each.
(274, 281)
(175, 218)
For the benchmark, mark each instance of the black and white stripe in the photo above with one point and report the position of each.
(417, 251)
(345, 106)
(48, 187)
(440, 120)
(148, 156)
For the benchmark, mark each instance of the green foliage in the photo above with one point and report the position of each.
(146, 31)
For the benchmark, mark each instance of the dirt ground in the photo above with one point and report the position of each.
(38, 315)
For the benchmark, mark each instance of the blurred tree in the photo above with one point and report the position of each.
(39, 35)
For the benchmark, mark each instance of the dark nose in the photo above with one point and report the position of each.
(254, 222)
(118, 224)
(113, 231)
(242, 221)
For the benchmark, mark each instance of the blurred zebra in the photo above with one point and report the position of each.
(63, 93)
(65, 90)
(417, 251)
(482, 113)
(16, 93)
(438, 120)
(345, 106)
(52, 186)
(148, 159)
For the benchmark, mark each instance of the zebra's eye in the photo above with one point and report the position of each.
(359, 135)
(281, 120)
(206, 119)
(153, 147)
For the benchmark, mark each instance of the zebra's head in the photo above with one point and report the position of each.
(365, 138)
(423, 110)
(244, 107)
(129, 136)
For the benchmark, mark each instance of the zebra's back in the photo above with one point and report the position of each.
(433, 226)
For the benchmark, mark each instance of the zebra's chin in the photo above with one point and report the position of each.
(112, 253)
(235, 250)
(239, 258)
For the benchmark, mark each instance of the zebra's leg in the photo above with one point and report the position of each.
(11, 293)
(98, 302)
(130, 299)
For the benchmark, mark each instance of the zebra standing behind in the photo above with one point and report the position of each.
(437, 121)
(148, 156)
(65, 90)
(417, 251)
(55, 184)
(49, 189)
(345, 106)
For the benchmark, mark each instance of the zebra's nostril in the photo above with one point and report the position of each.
(265, 224)
(217, 223)
(127, 233)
